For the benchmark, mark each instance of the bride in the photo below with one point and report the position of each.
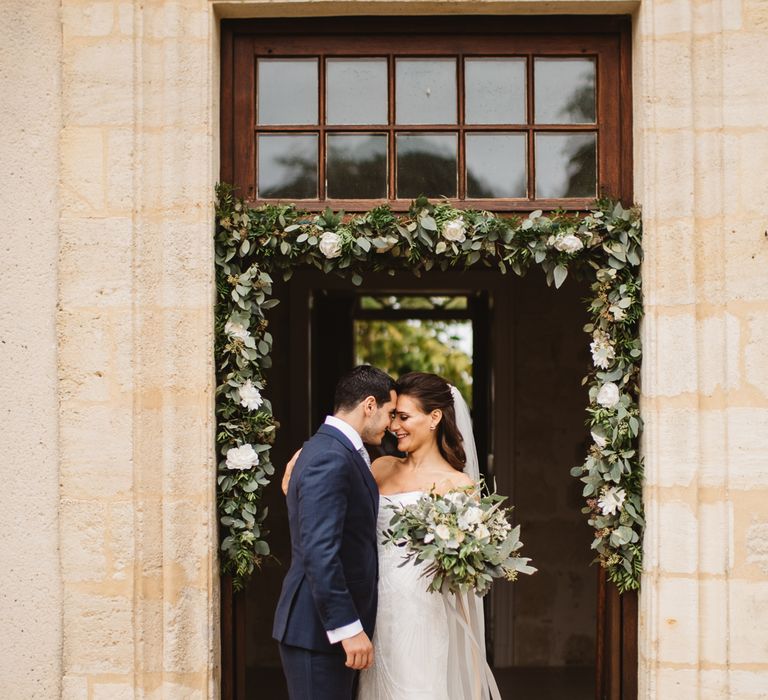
(421, 652)
(422, 649)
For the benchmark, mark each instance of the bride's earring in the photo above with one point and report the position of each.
(432, 427)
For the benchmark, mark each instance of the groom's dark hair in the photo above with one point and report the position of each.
(359, 383)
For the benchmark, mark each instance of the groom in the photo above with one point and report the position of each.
(327, 609)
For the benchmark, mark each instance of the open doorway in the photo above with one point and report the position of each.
(524, 356)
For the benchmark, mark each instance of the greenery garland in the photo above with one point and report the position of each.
(254, 244)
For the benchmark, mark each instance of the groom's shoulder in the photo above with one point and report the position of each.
(328, 438)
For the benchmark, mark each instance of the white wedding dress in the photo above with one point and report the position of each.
(411, 638)
(422, 651)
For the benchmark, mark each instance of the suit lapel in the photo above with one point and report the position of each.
(357, 458)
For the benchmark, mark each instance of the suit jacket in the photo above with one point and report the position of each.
(333, 504)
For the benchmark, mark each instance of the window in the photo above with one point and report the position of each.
(506, 114)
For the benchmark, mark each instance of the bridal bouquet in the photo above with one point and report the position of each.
(465, 541)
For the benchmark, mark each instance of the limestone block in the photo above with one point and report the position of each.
(120, 539)
(673, 369)
(120, 169)
(748, 684)
(669, 99)
(87, 20)
(187, 632)
(716, 529)
(757, 544)
(113, 691)
(83, 546)
(746, 260)
(718, 353)
(748, 464)
(670, 446)
(748, 601)
(82, 166)
(669, 267)
(74, 688)
(679, 538)
(678, 601)
(755, 356)
(674, 683)
(175, 691)
(98, 633)
(713, 620)
(187, 537)
(125, 18)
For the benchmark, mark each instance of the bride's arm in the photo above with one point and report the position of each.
(289, 470)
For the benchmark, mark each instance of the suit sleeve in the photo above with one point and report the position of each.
(322, 494)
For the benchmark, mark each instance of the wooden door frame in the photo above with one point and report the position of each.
(617, 619)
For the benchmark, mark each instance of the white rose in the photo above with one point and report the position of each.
(602, 350)
(618, 313)
(443, 532)
(600, 441)
(243, 457)
(608, 396)
(569, 243)
(236, 330)
(611, 500)
(250, 396)
(470, 517)
(453, 230)
(481, 532)
(389, 243)
(330, 244)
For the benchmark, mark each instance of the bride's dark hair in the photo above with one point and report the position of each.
(433, 392)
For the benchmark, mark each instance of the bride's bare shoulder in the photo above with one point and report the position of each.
(384, 465)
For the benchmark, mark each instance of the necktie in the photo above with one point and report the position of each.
(364, 454)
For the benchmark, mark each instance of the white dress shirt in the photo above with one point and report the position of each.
(353, 436)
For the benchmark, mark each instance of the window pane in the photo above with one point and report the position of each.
(495, 90)
(357, 166)
(496, 165)
(356, 91)
(426, 164)
(287, 91)
(288, 166)
(566, 165)
(564, 90)
(426, 91)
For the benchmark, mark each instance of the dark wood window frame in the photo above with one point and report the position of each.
(607, 39)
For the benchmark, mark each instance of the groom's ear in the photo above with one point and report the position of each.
(370, 405)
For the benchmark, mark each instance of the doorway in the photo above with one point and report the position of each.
(527, 359)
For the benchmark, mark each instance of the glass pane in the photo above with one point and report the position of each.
(356, 91)
(287, 166)
(566, 165)
(426, 164)
(496, 165)
(495, 90)
(357, 166)
(426, 91)
(564, 90)
(398, 303)
(287, 91)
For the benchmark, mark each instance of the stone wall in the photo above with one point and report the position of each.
(30, 580)
(133, 104)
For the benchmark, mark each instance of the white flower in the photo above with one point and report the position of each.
(429, 537)
(600, 440)
(481, 532)
(471, 516)
(602, 349)
(453, 230)
(608, 396)
(568, 244)
(457, 498)
(250, 396)
(389, 243)
(443, 532)
(618, 313)
(330, 244)
(236, 330)
(611, 500)
(243, 457)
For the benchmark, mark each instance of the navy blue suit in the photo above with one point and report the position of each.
(332, 503)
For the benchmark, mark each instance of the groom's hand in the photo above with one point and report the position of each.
(359, 651)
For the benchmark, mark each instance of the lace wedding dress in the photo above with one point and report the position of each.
(411, 638)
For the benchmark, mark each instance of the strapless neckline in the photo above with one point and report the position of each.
(399, 493)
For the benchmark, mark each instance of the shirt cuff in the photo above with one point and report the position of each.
(341, 633)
